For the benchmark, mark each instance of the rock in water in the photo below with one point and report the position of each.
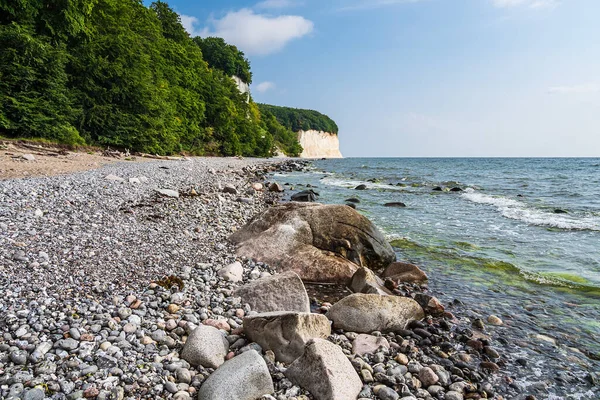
(404, 272)
(205, 346)
(305, 196)
(321, 243)
(325, 372)
(282, 292)
(365, 281)
(395, 204)
(366, 313)
(245, 377)
(286, 333)
(361, 187)
(275, 187)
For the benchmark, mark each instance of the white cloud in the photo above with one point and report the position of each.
(265, 86)
(258, 34)
(189, 24)
(276, 4)
(370, 4)
(575, 89)
(526, 3)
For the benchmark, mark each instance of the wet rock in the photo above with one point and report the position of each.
(305, 196)
(428, 376)
(431, 305)
(560, 211)
(396, 204)
(365, 281)
(282, 292)
(244, 377)
(276, 187)
(456, 189)
(286, 333)
(352, 200)
(437, 189)
(367, 344)
(325, 372)
(361, 187)
(321, 243)
(205, 346)
(494, 320)
(365, 313)
(404, 272)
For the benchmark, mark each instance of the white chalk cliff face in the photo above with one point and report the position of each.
(242, 86)
(319, 144)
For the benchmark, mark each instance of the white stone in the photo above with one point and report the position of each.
(28, 157)
(168, 192)
(113, 178)
(134, 180)
(205, 346)
(233, 272)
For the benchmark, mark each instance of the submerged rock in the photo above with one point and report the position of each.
(366, 313)
(321, 243)
(397, 204)
(305, 196)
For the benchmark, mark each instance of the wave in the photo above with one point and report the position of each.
(517, 210)
(351, 184)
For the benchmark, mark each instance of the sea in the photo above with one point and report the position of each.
(520, 240)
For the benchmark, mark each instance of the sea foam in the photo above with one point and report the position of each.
(518, 210)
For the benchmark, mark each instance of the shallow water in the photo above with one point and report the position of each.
(499, 246)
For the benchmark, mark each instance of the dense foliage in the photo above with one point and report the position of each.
(225, 57)
(117, 73)
(298, 119)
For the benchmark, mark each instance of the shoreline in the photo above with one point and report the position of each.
(84, 259)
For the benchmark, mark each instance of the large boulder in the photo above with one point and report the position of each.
(404, 272)
(281, 292)
(245, 377)
(325, 371)
(366, 313)
(205, 346)
(286, 333)
(365, 281)
(321, 243)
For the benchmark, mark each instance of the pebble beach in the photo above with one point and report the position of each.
(105, 274)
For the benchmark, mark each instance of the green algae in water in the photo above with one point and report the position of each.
(507, 272)
(466, 245)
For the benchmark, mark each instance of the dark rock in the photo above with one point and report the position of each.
(361, 187)
(395, 204)
(404, 272)
(559, 211)
(352, 200)
(305, 196)
(456, 189)
(437, 189)
(351, 205)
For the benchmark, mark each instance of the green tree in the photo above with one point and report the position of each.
(225, 57)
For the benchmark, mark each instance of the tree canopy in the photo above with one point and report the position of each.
(117, 73)
(298, 119)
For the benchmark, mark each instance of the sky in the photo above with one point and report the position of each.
(425, 78)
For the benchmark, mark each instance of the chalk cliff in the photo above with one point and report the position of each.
(319, 144)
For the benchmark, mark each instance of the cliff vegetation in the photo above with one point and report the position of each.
(298, 119)
(117, 73)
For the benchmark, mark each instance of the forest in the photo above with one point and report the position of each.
(115, 73)
(298, 119)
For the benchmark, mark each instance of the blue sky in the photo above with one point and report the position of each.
(425, 77)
